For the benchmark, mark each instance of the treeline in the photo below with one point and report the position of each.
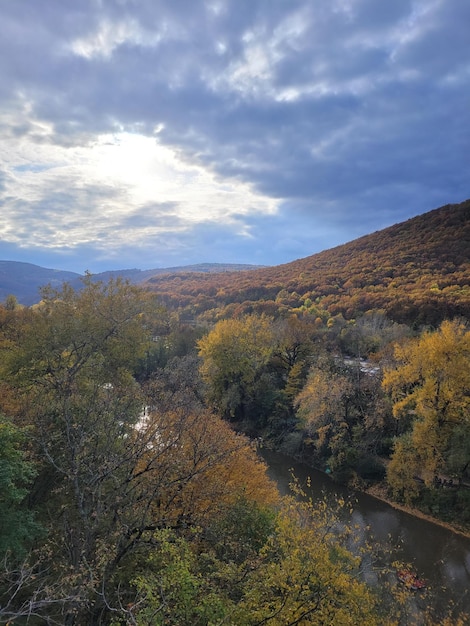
(127, 497)
(417, 272)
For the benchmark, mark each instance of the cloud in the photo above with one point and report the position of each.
(218, 128)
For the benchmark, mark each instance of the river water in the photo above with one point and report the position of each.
(439, 555)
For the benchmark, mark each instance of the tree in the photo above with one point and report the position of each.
(323, 402)
(234, 355)
(11, 303)
(294, 341)
(17, 524)
(294, 570)
(306, 576)
(71, 367)
(429, 385)
(324, 410)
(341, 408)
(293, 348)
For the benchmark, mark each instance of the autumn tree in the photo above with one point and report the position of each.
(71, 367)
(294, 570)
(307, 576)
(429, 385)
(342, 411)
(370, 333)
(295, 341)
(234, 355)
(11, 302)
(323, 400)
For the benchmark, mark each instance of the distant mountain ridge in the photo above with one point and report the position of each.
(417, 272)
(24, 280)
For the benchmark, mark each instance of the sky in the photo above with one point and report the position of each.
(158, 133)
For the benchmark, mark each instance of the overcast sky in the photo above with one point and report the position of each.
(155, 133)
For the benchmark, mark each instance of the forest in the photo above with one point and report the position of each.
(417, 272)
(132, 491)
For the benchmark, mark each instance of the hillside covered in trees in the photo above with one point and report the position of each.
(417, 272)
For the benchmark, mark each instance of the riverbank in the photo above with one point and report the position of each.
(377, 490)
(380, 492)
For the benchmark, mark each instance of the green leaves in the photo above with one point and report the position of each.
(16, 473)
(288, 568)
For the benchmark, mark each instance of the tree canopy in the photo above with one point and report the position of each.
(128, 499)
(429, 385)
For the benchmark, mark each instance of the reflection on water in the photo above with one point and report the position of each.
(439, 555)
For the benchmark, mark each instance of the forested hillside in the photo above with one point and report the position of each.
(418, 272)
(23, 280)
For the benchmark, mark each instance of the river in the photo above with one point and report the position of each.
(439, 555)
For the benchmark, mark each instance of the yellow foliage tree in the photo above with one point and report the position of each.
(305, 575)
(234, 354)
(429, 385)
(191, 466)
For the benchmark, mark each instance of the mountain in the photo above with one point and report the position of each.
(136, 276)
(24, 280)
(417, 271)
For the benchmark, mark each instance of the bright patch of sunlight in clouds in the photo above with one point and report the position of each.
(122, 187)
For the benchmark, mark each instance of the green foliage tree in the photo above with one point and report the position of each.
(173, 590)
(293, 570)
(108, 475)
(71, 367)
(17, 524)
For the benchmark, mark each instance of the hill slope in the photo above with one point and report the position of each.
(24, 280)
(418, 271)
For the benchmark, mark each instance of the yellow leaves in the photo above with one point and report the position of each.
(429, 384)
(320, 398)
(237, 346)
(202, 466)
(402, 470)
(234, 355)
(305, 576)
(432, 374)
